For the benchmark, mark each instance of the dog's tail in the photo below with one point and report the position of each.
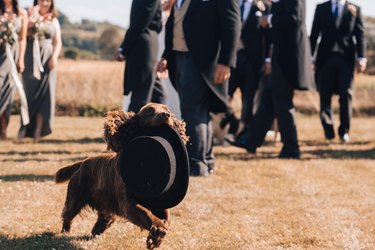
(64, 174)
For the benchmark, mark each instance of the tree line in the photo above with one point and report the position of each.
(91, 40)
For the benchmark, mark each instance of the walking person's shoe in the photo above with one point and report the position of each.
(345, 138)
(290, 152)
(199, 170)
(242, 142)
(289, 155)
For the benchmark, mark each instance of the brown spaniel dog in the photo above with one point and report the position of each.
(96, 182)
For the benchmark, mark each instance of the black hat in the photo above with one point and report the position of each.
(155, 167)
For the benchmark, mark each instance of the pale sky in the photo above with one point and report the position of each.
(117, 11)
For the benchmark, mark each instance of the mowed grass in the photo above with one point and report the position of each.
(324, 201)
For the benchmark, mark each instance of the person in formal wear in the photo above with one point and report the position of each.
(252, 52)
(13, 21)
(140, 50)
(339, 24)
(41, 59)
(172, 100)
(200, 47)
(291, 69)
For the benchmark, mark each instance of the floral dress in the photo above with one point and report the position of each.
(7, 61)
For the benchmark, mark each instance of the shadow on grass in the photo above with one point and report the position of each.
(46, 240)
(308, 154)
(84, 140)
(343, 154)
(318, 143)
(26, 177)
(246, 156)
(26, 153)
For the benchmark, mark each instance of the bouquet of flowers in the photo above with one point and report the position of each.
(6, 30)
(37, 23)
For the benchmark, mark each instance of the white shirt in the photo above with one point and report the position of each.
(247, 7)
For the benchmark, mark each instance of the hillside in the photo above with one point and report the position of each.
(89, 39)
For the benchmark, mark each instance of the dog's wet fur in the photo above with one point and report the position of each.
(96, 182)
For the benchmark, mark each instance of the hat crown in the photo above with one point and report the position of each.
(155, 168)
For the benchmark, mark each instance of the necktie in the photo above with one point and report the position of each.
(336, 11)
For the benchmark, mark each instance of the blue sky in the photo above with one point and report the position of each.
(117, 11)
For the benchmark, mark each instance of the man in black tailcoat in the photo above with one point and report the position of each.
(200, 47)
(252, 51)
(140, 50)
(291, 70)
(339, 24)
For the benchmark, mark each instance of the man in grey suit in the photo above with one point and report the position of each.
(200, 47)
(291, 69)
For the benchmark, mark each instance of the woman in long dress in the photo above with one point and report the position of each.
(42, 52)
(12, 51)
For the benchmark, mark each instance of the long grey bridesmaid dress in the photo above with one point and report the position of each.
(41, 92)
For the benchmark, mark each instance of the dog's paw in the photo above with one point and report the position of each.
(155, 236)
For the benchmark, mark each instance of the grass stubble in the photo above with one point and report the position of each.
(324, 201)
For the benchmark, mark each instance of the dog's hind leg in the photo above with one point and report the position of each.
(104, 221)
(73, 205)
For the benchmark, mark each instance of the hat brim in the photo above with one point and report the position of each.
(177, 191)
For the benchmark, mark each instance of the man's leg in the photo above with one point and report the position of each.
(345, 93)
(193, 93)
(159, 95)
(255, 131)
(282, 92)
(326, 82)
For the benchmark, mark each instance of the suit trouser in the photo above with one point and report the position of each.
(335, 76)
(246, 78)
(151, 91)
(140, 69)
(194, 102)
(264, 116)
(282, 93)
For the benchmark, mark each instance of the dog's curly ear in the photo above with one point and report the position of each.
(180, 127)
(114, 121)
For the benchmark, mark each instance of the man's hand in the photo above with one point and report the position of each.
(222, 73)
(263, 21)
(162, 69)
(267, 68)
(361, 65)
(118, 56)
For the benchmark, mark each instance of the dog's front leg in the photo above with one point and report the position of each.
(144, 218)
(162, 214)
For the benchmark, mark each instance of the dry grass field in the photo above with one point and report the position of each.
(326, 200)
(91, 87)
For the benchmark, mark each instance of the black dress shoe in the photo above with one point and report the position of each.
(290, 155)
(199, 170)
(242, 143)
